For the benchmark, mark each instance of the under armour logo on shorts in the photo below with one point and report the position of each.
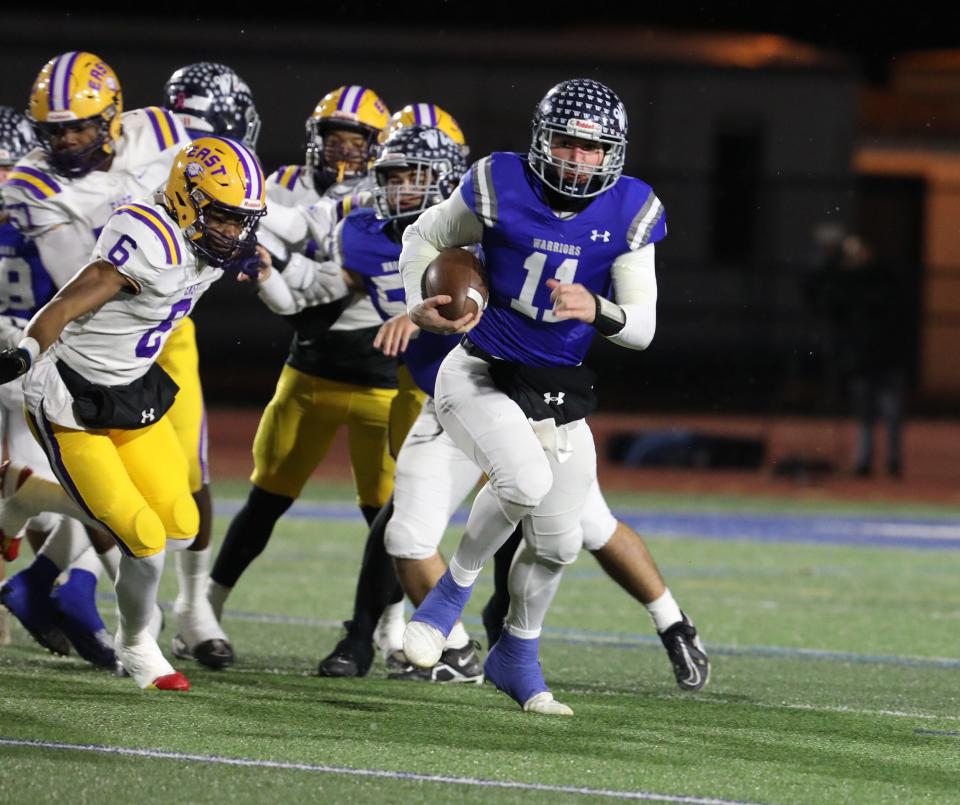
(147, 416)
(558, 399)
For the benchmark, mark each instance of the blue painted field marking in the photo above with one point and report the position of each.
(888, 531)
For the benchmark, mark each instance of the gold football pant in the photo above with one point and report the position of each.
(179, 359)
(404, 409)
(300, 423)
(133, 482)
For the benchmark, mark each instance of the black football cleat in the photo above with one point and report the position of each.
(352, 656)
(456, 665)
(691, 666)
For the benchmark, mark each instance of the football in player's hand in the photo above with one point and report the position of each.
(458, 274)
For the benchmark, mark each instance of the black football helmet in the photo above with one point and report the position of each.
(16, 136)
(589, 110)
(438, 162)
(211, 99)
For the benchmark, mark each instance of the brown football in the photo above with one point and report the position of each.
(458, 274)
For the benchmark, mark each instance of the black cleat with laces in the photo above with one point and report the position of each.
(691, 666)
(352, 656)
(456, 665)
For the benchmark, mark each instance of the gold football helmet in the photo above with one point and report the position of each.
(431, 115)
(73, 92)
(350, 109)
(216, 188)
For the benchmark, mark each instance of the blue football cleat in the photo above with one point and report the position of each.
(76, 613)
(513, 666)
(27, 597)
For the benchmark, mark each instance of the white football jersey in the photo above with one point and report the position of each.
(43, 204)
(293, 186)
(117, 343)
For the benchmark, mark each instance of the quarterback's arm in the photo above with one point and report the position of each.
(96, 284)
(450, 223)
(631, 320)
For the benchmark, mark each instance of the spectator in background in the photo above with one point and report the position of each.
(863, 301)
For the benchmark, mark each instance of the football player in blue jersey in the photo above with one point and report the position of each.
(569, 247)
(433, 474)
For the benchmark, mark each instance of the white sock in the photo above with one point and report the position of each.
(137, 584)
(462, 576)
(110, 559)
(664, 612)
(67, 541)
(196, 620)
(88, 561)
(458, 636)
(217, 595)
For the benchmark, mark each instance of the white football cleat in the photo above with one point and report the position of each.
(545, 704)
(143, 660)
(388, 636)
(423, 644)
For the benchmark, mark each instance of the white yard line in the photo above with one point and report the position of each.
(159, 754)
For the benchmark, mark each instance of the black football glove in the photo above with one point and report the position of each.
(14, 362)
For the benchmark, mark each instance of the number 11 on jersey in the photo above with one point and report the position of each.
(534, 266)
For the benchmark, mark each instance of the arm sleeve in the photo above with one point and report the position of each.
(276, 295)
(635, 291)
(286, 223)
(450, 223)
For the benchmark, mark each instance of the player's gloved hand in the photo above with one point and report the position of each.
(14, 362)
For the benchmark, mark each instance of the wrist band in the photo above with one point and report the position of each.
(31, 346)
(610, 318)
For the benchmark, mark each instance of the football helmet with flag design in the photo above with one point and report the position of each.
(74, 93)
(216, 195)
(349, 109)
(587, 110)
(418, 167)
(16, 136)
(429, 114)
(211, 98)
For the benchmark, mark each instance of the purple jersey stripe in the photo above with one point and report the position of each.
(138, 213)
(34, 190)
(43, 177)
(157, 131)
(292, 181)
(165, 225)
(172, 125)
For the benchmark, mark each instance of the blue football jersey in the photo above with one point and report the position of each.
(526, 244)
(25, 285)
(366, 249)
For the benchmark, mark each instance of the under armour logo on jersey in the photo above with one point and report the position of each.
(147, 416)
(557, 400)
(597, 235)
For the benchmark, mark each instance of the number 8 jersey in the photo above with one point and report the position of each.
(526, 243)
(116, 343)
